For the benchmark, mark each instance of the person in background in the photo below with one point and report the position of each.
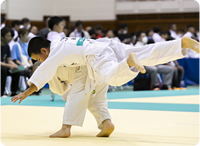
(190, 33)
(19, 52)
(65, 30)
(3, 22)
(172, 30)
(99, 31)
(7, 64)
(79, 31)
(92, 34)
(180, 33)
(156, 35)
(122, 34)
(110, 35)
(33, 32)
(88, 28)
(149, 33)
(165, 35)
(25, 23)
(56, 25)
(15, 28)
(141, 39)
(44, 31)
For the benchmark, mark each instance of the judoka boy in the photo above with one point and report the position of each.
(97, 64)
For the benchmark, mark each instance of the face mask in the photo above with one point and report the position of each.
(125, 32)
(28, 26)
(144, 40)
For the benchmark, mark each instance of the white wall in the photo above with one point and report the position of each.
(91, 9)
(170, 6)
(76, 9)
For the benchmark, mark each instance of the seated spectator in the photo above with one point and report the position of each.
(33, 32)
(15, 28)
(122, 34)
(44, 31)
(19, 52)
(149, 33)
(25, 23)
(98, 31)
(156, 35)
(88, 28)
(92, 34)
(165, 35)
(110, 35)
(7, 64)
(190, 33)
(3, 22)
(141, 39)
(180, 33)
(79, 31)
(56, 25)
(172, 30)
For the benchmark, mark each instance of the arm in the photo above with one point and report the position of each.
(11, 62)
(30, 61)
(24, 94)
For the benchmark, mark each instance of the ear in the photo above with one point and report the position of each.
(43, 50)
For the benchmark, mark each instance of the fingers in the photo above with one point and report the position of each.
(14, 99)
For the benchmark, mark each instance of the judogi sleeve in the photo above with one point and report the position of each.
(61, 53)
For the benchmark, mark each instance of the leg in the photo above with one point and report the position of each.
(152, 71)
(4, 72)
(15, 83)
(76, 105)
(167, 72)
(98, 107)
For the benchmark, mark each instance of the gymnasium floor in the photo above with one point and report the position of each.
(141, 118)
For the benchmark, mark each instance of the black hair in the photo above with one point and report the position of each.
(54, 21)
(150, 41)
(4, 31)
(3, 19)
(156, 29)
(12, 33)
(36, 43)
(165, 32)
(78, 23)
(91, 32)
(98, 27)
(170, 39)
(123, 26)
(138, 34)
(189, 26)
(147, 32)
(15, 22)
(181, 30)
(25, 20)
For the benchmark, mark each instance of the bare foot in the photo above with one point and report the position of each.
(64, 132)
(133, 61)
(190, 43)
(108, 128)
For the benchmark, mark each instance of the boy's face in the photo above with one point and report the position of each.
(44, 53)
(7, 38)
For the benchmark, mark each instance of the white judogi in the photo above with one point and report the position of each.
(53, 35)
(102, 62)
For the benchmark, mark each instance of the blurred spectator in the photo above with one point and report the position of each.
(19, 52)
(7, 63)
(149, 33)
(181, 33)
(79, 31)
(33, 32)
(98, 31)
(156, 35)
(110, 35)
(3, 22)
(65, 30)
(141, 39)
(190, 33)
(88, 28)
(165, 35)
(122, 34)
(44, 31)
(92, 34)
(197, 33)
(178, 72)
(15, 28)
(56, 25)
(25, 23)
(172, 30)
